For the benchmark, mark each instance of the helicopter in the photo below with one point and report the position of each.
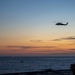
(59, 23)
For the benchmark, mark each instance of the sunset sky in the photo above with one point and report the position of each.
(27, 27)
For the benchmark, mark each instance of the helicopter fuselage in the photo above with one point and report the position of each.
(61, 24)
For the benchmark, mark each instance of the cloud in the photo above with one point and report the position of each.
(26, 47)
(72, 49)
(66, 38)
(56, 40)
(69, 38)
(18, 46)
(38, 41)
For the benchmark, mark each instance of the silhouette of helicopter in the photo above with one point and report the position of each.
(59, 23)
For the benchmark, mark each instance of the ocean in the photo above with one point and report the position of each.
(28, 64)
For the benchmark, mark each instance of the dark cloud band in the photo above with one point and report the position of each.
(26, 47)
(67, 38)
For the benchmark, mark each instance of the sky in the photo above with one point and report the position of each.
(27, 28)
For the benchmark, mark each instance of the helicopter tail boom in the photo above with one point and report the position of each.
(66, 23)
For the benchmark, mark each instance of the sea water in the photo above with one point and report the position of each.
(28, 64)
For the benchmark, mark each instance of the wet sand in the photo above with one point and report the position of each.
(43, 72)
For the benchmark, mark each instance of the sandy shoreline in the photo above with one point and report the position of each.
(43, 72)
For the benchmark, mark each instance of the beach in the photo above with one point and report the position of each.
(44, 72)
